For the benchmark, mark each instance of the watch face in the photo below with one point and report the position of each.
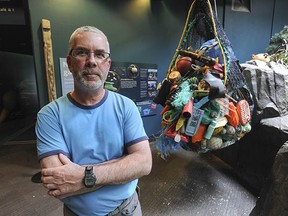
(90, 178)
(89, 181)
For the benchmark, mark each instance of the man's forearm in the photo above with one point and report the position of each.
(126, 169)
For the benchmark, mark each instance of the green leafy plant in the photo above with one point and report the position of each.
(278, 46)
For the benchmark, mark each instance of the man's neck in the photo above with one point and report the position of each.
(88, 98)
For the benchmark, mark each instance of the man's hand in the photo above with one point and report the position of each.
(65, 180)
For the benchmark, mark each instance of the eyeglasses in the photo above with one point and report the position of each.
(83, 54)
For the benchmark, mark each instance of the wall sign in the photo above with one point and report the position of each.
(11, 12)
(137, 81)
(66, 77)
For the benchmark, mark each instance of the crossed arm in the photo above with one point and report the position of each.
(64, 178)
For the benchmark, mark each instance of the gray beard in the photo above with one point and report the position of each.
(83, 84)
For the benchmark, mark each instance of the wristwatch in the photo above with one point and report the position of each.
(89, 179)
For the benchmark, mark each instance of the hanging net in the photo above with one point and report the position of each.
(206, 105)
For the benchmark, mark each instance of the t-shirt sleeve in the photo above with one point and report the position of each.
(50, 140)
(134, 131)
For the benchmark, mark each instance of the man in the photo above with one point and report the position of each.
(91, 142)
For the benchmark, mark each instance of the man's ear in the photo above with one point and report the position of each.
(109, 62)
(68, 60)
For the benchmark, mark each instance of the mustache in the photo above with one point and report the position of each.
(91, 72)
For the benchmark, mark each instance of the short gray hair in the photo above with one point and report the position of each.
(85, 29)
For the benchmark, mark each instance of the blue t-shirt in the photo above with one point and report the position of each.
(91, 135)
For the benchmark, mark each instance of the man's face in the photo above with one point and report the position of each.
(89, 61)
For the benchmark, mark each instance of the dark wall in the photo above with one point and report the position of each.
(17, 74)
(18, 94)
(147, 33)
(280, 18)
(250, 32)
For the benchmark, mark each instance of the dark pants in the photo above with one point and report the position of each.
(130, 207)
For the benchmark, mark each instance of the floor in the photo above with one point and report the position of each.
(184, 184)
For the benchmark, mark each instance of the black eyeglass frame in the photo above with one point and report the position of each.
(89, 53)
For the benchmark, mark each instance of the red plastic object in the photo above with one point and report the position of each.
(243, 111)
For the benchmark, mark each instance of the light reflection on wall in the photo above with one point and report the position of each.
(138, 8)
